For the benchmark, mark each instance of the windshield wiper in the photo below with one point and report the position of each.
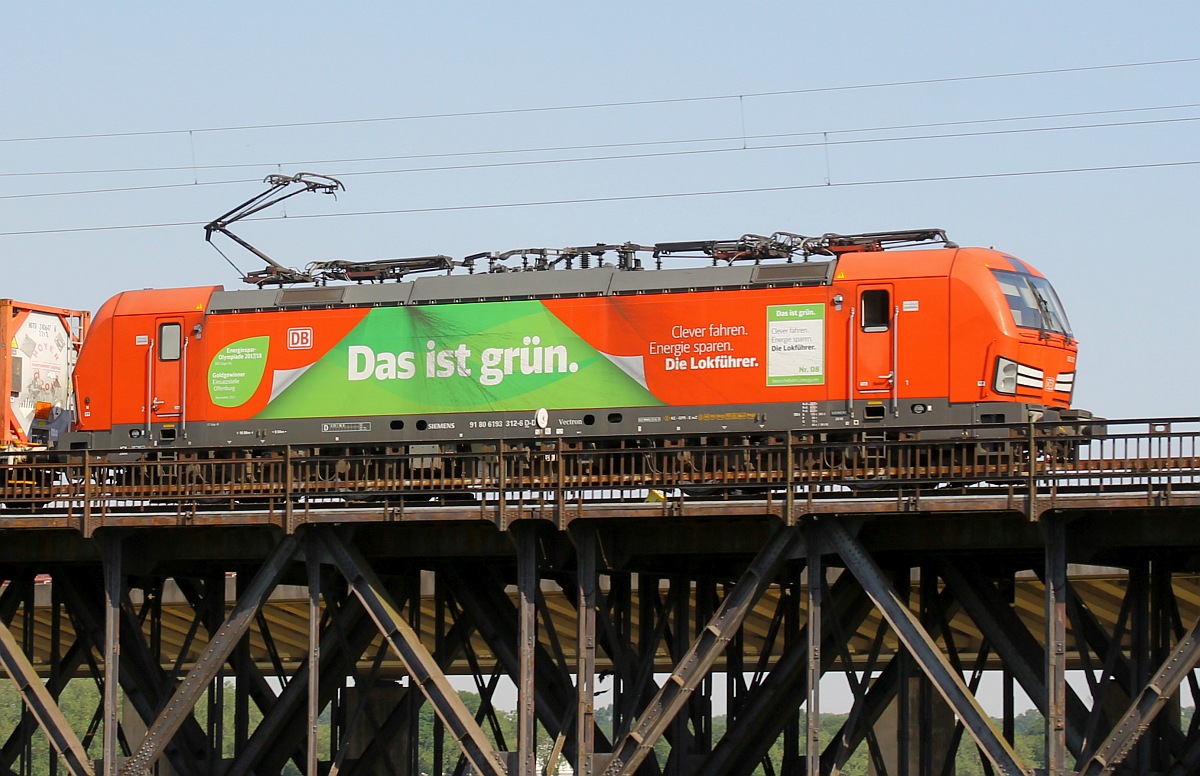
(1047, 322)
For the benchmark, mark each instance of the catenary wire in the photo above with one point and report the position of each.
(621, 157)
(632, 197)
(594, 146)
(615, 104)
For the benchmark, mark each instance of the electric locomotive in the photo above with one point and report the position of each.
(842, 337)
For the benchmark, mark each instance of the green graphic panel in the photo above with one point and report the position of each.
(796, 344)
(237, 370)
(458, 358)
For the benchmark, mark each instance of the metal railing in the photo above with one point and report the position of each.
(1127, 455)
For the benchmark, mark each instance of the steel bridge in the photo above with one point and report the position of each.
(352, 586)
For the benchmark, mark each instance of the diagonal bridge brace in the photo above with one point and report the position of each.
(767, 707)
(923, 649)
(485, 603)
(140, 675)
(282, 730)
(209, 664)
(1018, 649)
(693, 665)
(405, 643)
(78, 653)
(37, 698)
(1146, 706)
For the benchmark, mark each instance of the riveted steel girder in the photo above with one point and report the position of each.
(816, 587)
(210, 662)
(135, 670)
(37, 699)
(1146, 706)
(418, 662)
(312, 564)
(1012, 641)
(1056, 643)
(114, 594)
(692, 667)
(585, 668)
(767, 707)
(926, 653)
(525, 537)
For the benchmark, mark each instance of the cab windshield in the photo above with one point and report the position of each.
(1033, 303)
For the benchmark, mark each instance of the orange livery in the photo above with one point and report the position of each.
(838, 335)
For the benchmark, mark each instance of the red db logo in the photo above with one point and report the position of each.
(300, 339)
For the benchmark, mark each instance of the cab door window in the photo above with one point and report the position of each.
(876, 310)
(170, 341)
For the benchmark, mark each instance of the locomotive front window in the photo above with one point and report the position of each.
(170, 336)
(1033, 303)
(876, 310)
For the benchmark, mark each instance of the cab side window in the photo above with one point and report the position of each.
(876, 310)
(170, 340)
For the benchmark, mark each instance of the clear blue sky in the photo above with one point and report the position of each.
(181, 96)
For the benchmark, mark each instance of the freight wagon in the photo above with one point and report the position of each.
(36, 371)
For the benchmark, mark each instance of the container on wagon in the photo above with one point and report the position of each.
(37, 370)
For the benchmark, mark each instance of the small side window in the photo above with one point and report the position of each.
(876, 310)
(170, 339)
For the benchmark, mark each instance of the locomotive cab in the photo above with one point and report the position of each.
(134, 374)
(1031, 359)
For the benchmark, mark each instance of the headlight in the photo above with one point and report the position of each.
(1006, 376)
(1010, 375)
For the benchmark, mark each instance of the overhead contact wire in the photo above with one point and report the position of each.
(631, 197)
(614, 104)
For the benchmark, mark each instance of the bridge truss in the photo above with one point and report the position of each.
(674, 579)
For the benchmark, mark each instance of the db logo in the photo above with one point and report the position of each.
(300, 339)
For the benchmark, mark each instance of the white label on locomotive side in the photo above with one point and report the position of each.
(796, 344)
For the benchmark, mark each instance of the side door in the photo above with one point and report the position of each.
(874, 335)
(166, 387)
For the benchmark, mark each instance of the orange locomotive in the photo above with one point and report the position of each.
(841, 336)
